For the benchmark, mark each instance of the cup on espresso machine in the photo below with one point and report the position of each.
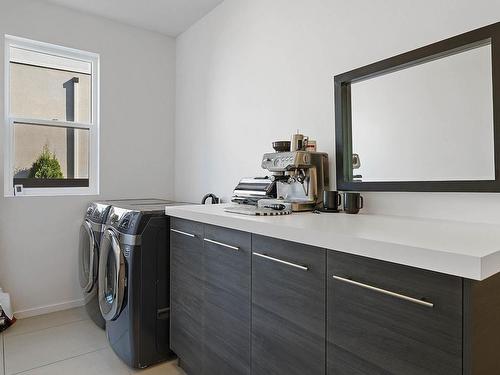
(299, 142)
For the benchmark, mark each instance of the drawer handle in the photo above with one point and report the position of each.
(304, 268)
(183, 233)
(386, 292)
(221, 244)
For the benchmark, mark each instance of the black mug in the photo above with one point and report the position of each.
(353, 202)
(331, 201)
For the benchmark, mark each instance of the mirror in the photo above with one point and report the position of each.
(429, 122)
(421, 121)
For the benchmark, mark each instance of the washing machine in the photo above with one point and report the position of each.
(90, 236)
(89, 244)
(134, 292)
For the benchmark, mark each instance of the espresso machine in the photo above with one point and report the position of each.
(300, 176)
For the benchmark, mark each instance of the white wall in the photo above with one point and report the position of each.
(251, 72)
(39, 236)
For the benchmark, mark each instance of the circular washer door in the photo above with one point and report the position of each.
(111, 276)
(87, 251)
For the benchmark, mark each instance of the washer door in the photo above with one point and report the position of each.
(111, 276)
(87, 257)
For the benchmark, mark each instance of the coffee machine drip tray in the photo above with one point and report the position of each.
(298, 206)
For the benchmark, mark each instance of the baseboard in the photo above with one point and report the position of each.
(21, 314)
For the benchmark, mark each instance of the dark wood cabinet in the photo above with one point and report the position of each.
(226, 331)
(288, 308)
(385, 318)
(186, 293)
(245, 304)
(481, 329)
(210, 298)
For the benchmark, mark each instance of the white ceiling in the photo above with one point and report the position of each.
(170, 17)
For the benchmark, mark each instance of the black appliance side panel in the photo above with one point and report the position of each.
(163, 290)
(151, 329)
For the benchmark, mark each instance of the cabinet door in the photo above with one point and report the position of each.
(226, 301)
(186, 291)
(288, 308)
(385, 318)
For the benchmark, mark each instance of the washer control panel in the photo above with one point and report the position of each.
(97, 212)
(125, 221)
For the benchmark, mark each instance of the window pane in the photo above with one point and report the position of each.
(50, 152)
(29, 57)
(49, 94)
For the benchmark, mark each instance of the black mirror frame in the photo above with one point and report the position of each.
(342, 92)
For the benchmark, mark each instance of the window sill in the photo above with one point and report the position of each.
(52, 192)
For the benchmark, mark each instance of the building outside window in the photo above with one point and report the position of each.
(51, 120)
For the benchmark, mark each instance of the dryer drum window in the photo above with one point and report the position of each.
(111, 277)
(88, 264)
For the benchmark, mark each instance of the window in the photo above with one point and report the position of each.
(51, 119)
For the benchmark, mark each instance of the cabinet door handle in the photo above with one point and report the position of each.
(304, 268)
(384, 291)
(183, 233)
(221, 244)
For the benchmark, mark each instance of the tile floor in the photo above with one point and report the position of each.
(61, 343)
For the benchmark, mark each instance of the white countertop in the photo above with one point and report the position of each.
(470, 250)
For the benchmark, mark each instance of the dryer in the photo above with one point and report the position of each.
(134, 291)
(89, 247)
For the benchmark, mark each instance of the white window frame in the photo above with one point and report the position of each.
(9, 120)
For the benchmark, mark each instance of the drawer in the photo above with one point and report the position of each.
(186, 227)
(227, 259)
(288, 308)
(387, 318)
(186, 290)
(186, 247)
(226, 301)
(288, 279)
